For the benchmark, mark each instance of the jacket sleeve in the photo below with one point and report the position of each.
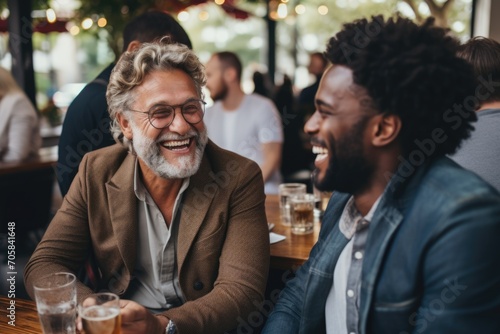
(461, 280)
(66, 243)
(288, 314)
(243, 265)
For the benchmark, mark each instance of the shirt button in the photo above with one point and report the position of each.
(358, 255)
(198, 285)
(350, 293)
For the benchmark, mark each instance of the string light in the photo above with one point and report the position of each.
(322, 10)
(74, 30)
(51, 15)
(282, 11)
(203, 16)
(300, 9)
(102, 22)
(87, 23)
(183, 16)
(219, 2)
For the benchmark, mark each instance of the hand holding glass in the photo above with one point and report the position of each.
(100, 314)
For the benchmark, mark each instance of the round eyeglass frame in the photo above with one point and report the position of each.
(174, 107)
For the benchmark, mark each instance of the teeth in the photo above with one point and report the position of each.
(176, 143)
(319, 150)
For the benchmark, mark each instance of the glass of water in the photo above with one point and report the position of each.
(55, 297)
(286, 190)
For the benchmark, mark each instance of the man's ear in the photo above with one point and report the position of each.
(133, 45)
(125, 126)
(385, 129)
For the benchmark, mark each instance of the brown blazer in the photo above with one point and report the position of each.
(223, 240)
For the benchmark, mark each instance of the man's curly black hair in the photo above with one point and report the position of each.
(411, 71)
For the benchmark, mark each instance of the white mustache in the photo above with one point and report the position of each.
(173, 136)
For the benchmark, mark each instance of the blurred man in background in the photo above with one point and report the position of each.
(249, 125)
(481, 152)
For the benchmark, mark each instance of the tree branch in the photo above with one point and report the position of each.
(413, 7)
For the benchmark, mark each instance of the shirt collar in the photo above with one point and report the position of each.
(352, 220)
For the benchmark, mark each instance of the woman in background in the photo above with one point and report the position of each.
(19, 123)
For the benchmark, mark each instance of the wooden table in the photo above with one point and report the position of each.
(47, 159)
(26, 317)
(294, 250)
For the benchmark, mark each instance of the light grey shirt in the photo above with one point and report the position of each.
(481, 152)
(244, 130)
(155, 283)
(19, 128)
(342, 303)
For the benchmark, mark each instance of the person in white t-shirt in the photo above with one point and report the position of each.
(249, 125)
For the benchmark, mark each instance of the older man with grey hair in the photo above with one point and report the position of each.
(176, 225)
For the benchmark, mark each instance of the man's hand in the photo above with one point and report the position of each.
(136, 319)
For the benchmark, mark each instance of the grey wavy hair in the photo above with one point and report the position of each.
(133, 67)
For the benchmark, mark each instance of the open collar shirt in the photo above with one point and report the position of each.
(342, 304)
(155, 282)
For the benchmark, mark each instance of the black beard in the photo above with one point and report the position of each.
(221, 95)
(348, 169)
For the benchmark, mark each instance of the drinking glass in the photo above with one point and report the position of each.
(321, 202)
(302, 213)
(100, 314)
(55, 297)
(285, 191)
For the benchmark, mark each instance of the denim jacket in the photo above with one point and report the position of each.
(431, 264)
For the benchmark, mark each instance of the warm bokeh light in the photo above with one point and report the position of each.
(300, 9)
(74, 30)
(51, 15)
(458, 26)
(282, 11)
(274, 15)
(183, 16)
(203, 16)
(219, 2)
(87, 23)
(102, 22)
(323, 10)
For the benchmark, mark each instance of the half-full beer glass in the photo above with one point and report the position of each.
(302, 213)
(100, 314)
(286, 190)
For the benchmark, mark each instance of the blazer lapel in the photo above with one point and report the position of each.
(195, 204)
(397, 197)
(123, 210)
(320, 279)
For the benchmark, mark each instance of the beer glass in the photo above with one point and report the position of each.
(55, 297)
(302, 213)
(100, 314)
(285, 191)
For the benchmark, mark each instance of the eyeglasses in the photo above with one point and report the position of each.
(162, 115)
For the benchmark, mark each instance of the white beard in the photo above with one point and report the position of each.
(149, 151)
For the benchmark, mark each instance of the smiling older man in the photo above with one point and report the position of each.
(176, 225)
